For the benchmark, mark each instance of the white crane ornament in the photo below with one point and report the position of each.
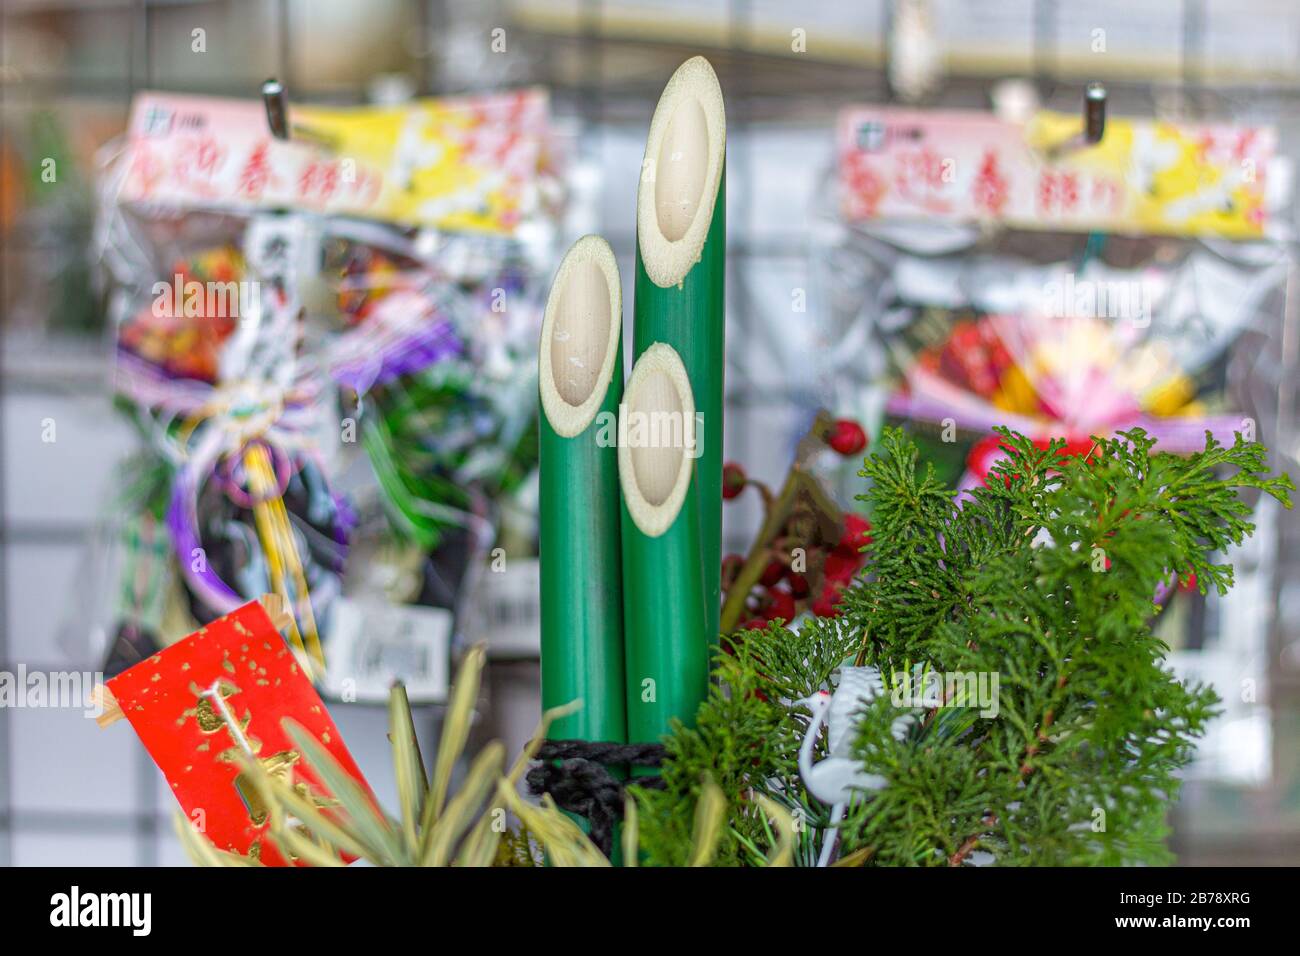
(839, 776)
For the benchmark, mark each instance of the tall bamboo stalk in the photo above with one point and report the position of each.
(663, 587)
(580, 380)
(680, 266)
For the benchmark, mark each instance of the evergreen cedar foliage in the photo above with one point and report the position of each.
(1046, 576)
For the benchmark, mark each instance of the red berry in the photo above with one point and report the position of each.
(856, 534)
(782, 606)
(847, 437)
(841, 566)
(733, 480)
(798, 585)
(1189, 584)
(773, 573)
(826, 605)
(754, 624)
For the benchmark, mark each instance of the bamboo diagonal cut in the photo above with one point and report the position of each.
(680, 271)
(663, 581)
(580, 376)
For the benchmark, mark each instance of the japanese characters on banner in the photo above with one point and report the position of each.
(1145, 176)
(465, 164)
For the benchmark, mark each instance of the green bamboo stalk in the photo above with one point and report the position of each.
(680, 271)
(580, 380)
(663, 584)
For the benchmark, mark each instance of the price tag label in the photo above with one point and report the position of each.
(371, 644)
(507, 615)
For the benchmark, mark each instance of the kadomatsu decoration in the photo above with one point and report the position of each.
(1035, 586)
(668, 537)
(1044, 577)
(1088, 719)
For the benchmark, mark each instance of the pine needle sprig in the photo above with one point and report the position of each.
(1045, 579)
(744, 742)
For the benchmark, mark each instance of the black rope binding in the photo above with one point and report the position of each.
(575, 773)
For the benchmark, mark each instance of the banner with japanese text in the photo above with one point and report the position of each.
(469, 163)
(1145, 176)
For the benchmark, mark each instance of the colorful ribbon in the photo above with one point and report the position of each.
(251, 438)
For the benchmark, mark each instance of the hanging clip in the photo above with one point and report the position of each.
(1094, 113)
(276, 100)
(1094, 123)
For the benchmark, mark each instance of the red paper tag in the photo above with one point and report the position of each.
(243, 658)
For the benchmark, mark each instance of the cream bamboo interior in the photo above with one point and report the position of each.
(581, 331)
(685, 152)
(655, 455)
(681, 169)
(580, 334)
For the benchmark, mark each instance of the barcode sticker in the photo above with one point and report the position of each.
(371, 644)
(506, 615)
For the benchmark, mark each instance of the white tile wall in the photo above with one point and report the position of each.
(64, 481)
(64, 762)
(74, 849)
(39, 581)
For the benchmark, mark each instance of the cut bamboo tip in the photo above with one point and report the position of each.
(656, 430)
(580, 336)
(684, 155)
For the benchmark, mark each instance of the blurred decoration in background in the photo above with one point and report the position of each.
(289, 312)
(997, 284)
(396, 532)
(48, 148)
